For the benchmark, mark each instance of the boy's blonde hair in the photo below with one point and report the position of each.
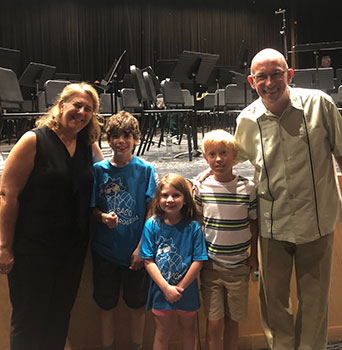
(219, 136)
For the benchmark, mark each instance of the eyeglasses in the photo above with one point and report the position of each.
(261, 78)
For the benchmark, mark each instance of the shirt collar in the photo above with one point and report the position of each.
(260, 109)
(295, 98)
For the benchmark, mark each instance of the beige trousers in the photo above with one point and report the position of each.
(312, 262)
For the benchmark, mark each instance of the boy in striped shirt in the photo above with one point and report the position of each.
(228, 204)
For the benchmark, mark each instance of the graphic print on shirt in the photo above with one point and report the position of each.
(117, 199)
(169, 262)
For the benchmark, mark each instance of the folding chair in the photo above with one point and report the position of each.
(140, 86)
(339, 97)
(338, 81)
(174, 102)
(12, 117)
(236, 99)
(303, 78)
(52, 89)
(209, 111)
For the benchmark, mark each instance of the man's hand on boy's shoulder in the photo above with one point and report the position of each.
(202, 176)
(195, 184)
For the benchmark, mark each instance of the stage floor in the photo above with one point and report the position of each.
(164, 159)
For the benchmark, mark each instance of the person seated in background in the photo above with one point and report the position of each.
(325, 62)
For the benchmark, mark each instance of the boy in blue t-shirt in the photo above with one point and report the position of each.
(124, 186)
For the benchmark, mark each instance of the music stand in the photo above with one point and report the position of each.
(194, 67)
(241, 65)
(10, 59)
(165, 68)
(110, 81)
(219, 78)
(36, 74)
(72, 77)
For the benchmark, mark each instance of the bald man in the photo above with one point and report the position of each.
(291, 136)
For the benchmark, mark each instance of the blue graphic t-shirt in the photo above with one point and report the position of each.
(173, 248)
(124, 190)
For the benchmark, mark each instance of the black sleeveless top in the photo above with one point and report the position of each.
(54, 204)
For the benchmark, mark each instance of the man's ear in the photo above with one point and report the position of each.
(251, 81)
(289, 75)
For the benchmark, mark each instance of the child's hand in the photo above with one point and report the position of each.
(253, 263)
(173, 293)
(136, 261)
(110, 219)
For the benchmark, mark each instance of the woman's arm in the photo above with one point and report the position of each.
(191, 274)
(18, 167)
(97, 153)
(171, 293)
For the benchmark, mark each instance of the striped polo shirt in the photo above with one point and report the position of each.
(227, 208)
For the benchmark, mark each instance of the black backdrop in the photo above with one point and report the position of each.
(86, 36)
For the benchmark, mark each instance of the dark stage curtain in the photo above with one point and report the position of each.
(86, 36)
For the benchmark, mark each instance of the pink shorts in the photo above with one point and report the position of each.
(168, 312)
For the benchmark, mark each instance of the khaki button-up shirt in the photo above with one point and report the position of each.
(298, 196)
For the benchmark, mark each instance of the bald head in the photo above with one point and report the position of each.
(270, 77)
(268, 55)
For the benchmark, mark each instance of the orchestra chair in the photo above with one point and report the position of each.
(338, 80)
(52, 90)
(208, 112)
(236, 98)
(339, 97)
(312, 78)
(175, 105)
(13, 120)
(303, 78)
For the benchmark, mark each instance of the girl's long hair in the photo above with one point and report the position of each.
(189, 210)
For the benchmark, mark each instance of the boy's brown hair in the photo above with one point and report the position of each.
(122, 122)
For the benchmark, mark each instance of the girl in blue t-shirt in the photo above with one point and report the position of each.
(173, 247)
